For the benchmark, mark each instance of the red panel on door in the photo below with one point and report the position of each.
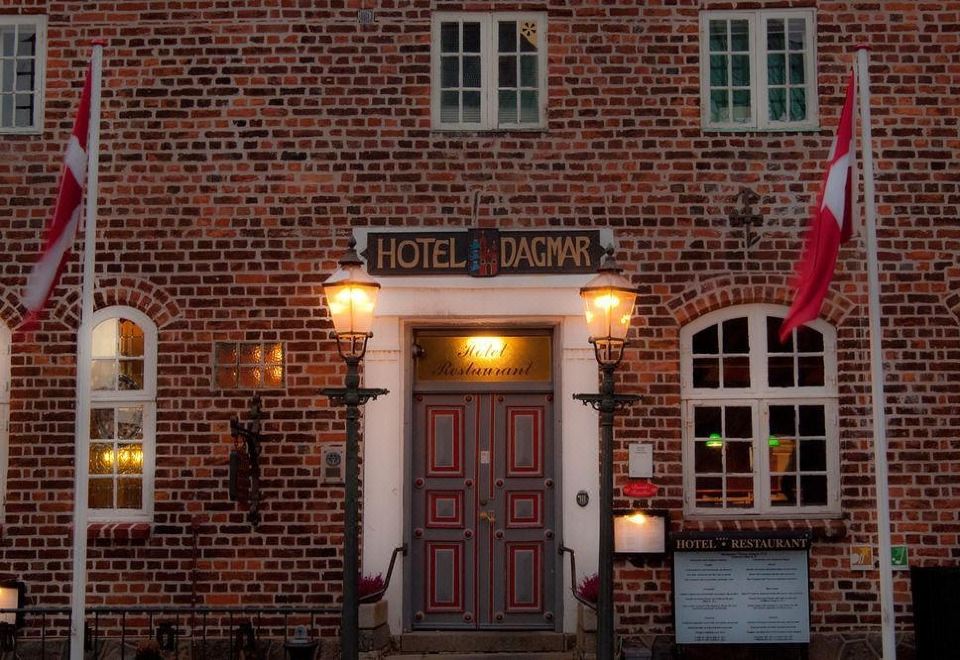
(445, 509)
(444, 442)
(523, 588)
(524, 442)
(444, 571)
(524, 509)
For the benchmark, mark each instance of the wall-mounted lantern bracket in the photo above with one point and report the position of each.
(248, 438)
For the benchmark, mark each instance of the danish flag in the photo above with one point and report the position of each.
(62, 230)
(832, 225)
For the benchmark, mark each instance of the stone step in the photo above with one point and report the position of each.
(494, 642)
(558, 655)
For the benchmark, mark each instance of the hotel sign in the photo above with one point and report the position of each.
(484, 359)
(483, 252)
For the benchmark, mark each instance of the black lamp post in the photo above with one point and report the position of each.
(351, 295)
(608, 305)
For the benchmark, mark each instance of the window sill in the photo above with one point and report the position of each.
(488, 132)
(753, 130)
(827, 528)
(119, 532)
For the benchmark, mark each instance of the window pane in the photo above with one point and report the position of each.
(250, 377)
(129, 493)
(528, 71)
(131, 339)
(719, 105)
(130, 459)
(529, 107)
(706, 421)
(707, 459)
(813, 490)
(718, 70)
(775, 34)
(736, 336)
(740, 70)
(24, 110)
(471, 107)
(251, 353)
(528, 37)
(507, 107)
(508, 72)
(101, 458)
(718, 36)
(797, 69)
(709, 491)
(707, 341)
(101, 424)
(226, 353)
(471, 72)
(8, 75)
(780, 371)
(274, 354)
(226, 377)
(450, 107)
(103, 375)
(739, 457)
(783, 490)
(449, 37)
(741, 105)
(776, 69)
(736, 372)
(739, 36)
(740, 492)
(813, 455)
(507, 37)
(449, 72)
(273, 377)
(471, 37)
(811, 371)
(798, 104)
(129, 423)
(812, 421)
(773, 337)
(131, 375)
(25, 76)
(6, 110)
(798, 28)
(706, 372)
(8, 36)
(105, 338)
(777, 104)
(783, 457)
(783, 421)
(738, 422)
(100, 493)
(809, 340)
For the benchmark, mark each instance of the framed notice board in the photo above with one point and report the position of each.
(741, 588)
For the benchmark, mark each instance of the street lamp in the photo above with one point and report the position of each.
(608, 301)
(351, 296)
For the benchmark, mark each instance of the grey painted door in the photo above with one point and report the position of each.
(483, 546)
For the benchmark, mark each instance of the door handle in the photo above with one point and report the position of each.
(489, 516)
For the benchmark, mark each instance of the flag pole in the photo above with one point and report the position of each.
(887, 619)
(84, 349)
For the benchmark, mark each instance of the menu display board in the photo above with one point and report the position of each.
(734, 596)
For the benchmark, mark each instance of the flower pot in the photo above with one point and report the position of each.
(372, 621)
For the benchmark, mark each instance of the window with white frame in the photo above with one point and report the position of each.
(489, 71)
(122, 422)
(22, 57)
(758, 69)
(4, 410)
(759, 416)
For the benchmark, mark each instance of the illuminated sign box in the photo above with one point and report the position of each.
(641, 532)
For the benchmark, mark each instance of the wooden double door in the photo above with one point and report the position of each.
(484, 551)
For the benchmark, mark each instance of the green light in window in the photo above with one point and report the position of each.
(716, 440)
(773, 441)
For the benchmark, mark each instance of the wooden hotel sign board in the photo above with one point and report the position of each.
(741, 588)
(483, 252)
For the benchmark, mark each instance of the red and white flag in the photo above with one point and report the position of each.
(62, 230)
(832, 225)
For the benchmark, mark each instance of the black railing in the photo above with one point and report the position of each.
(167, 632)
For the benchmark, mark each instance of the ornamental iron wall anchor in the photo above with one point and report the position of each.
(247, 439)
(745, 217)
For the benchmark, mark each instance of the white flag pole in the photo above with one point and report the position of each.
(887, 619)
(84, 350)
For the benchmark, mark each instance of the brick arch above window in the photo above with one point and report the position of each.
(133, 292)
(729, 290)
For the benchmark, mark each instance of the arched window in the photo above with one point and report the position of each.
(4, 411)
(122, 429)
(759, 417)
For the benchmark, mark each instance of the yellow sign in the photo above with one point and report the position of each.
(484, 358)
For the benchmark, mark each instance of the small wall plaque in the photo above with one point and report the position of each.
(332, 465)
(583, 498)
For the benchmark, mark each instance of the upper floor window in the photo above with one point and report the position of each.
(22, 53)
(489, 71)
(122, 432)
(254, 365)
(758, 69)
(759, 417)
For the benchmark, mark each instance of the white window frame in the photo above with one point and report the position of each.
(759, 396)
(488, 70)
(39, 21)
(145, 397)
(5, 344)
(757, 22)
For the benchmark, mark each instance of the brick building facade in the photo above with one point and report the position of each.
(243, 143)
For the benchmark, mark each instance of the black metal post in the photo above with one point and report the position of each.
(607, 402)
(352, 396)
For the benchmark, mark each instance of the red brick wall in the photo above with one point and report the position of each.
(241, 140)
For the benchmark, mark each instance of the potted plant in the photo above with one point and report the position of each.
(372, 617)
